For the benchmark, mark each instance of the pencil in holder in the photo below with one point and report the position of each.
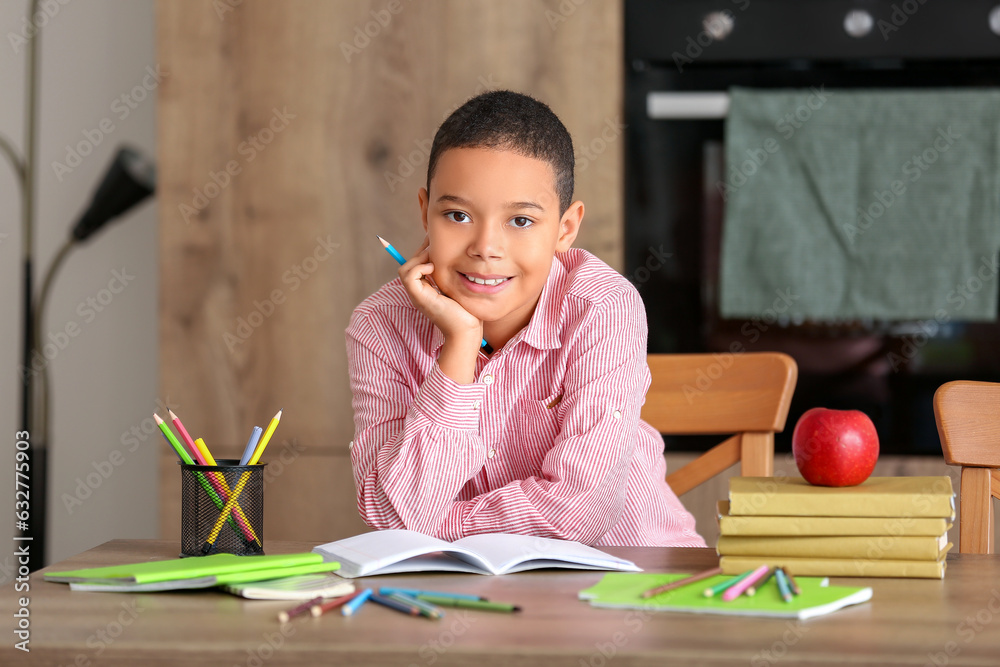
(222, 509)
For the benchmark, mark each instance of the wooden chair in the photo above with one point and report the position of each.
(968, 422)
(744, 394)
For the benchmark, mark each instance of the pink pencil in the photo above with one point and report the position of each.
(736, 590)
(186, 437)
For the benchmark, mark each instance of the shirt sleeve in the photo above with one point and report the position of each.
(414, 448)
(581, 492)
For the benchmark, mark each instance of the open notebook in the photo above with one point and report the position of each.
(388, 551)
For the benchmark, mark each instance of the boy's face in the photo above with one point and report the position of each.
(493, 216)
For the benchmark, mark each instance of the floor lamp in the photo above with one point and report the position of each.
(129, 180)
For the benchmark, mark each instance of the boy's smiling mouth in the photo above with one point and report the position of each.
(484, 280)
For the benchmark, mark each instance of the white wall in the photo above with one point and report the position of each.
(105, 380)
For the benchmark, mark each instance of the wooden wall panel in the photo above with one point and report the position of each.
(324, 130)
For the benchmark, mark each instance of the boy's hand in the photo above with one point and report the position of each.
(463, 331)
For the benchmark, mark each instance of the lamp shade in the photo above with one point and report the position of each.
(130, 179)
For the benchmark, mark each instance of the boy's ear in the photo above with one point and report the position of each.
(423, 198)
(569, 226)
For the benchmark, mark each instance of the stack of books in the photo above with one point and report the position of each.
(884, 527)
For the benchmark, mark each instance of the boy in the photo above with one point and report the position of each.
(537, 432)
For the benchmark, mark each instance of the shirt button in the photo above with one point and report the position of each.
(487, 379)
(491, 453)
(618, 415)
(476, 404)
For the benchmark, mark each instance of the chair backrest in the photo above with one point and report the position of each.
(745, 394)
(968, 422)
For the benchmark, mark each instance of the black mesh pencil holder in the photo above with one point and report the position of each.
(212, 519)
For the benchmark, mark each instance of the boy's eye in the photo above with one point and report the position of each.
(456, 216)
(521, 222)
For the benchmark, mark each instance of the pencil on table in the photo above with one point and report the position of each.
(783, 587)
(320, 609)
(760, 584)
(738, 588)
(791, 582)
(285, 616)
(682, 582)
(723, 585)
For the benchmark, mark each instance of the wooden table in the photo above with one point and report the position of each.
(908, 622)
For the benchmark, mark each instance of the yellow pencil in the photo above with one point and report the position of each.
(203, 448)
(244, 478)
(265, 438)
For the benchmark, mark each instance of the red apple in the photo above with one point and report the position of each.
(835, 447)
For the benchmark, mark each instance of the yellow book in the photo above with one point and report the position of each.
(875, 497)
(801, 526)
(838, 567)
(871, 547)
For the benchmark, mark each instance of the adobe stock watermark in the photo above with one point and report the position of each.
(223, 7)
(656, 259)
(751, 329)
(265, 650)
(593, 149)
(368, 31)
(717, 25)
(294, 277)
(960, 295)
(431, 650)
(967, 631)
(566, 9)
(779, 648)
(605, 651)
(740, 173)
(912, 169)
(122, 107)
(30, 25)
(131, 440)
(901, 13)
(409, 163)
(249, 148)
(56, 342)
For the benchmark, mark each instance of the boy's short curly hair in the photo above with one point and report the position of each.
(506, 120)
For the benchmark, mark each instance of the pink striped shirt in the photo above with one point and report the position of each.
(547, 441)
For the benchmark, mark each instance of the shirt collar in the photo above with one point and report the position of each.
(542, 331)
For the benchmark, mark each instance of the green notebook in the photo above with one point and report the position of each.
(182, 568)
(624, 591)
(229, 578)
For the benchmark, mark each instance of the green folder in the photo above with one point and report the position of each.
(624, 590)
(184, 568)
(228, 579)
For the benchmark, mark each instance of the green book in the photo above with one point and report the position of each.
(623, 590)
(183, 568)
(235, 579)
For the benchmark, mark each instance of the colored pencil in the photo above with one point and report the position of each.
(320, 609)
(763, 582)
(426, 608)
(210, 487)
(482, 605)
(352, 605)
(791, 582)
(205, 454)
(251, 445)
(285, 616)
(737, 589)
(414, 592)
(265, 439)
(682, 582)
(783, 587)
(723, 585)
(402, 260)
(392, 603)
(186, 437)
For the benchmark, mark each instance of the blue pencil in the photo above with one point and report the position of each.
(251, 445)
(355, 602)
(402, 260)
(413, 592)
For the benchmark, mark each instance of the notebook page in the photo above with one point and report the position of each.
(514, 553)
(384, 551)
